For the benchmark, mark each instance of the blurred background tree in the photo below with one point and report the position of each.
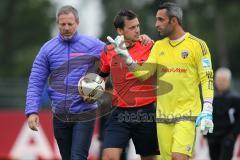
(24, 26)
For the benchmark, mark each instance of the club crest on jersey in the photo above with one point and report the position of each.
(184, 54)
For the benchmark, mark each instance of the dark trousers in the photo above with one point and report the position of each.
(221, 147)
(134, 123)
(73, 138)
(102, 123)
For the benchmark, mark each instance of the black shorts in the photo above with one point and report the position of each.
(136, 123)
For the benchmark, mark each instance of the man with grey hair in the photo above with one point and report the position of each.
(226, 117)
(62, 61)
(181, 62)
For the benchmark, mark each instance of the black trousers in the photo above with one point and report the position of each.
(221, 147)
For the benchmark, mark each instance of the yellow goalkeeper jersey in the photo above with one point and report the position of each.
(180, 66)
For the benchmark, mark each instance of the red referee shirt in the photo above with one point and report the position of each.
(128, 91)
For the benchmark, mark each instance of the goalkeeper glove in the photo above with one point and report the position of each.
(204, 119)
(121, 49)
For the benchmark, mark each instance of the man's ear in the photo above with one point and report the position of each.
(120, 31)
(77, 21)
(174, 20)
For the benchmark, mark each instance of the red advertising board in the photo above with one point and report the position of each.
(17, 141)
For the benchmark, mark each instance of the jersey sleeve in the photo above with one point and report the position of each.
(147, 69)
(205, 72)
(104, 67)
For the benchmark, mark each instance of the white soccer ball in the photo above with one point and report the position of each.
(91, 86)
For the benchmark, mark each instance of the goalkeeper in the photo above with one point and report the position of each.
(181, 62)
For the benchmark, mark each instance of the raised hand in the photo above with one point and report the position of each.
(120, 48)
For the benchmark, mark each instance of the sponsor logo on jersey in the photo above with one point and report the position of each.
(184, 54)
(206, 63)
(174, 70)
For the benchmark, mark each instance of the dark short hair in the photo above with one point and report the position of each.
(173, 10)
(121, 16)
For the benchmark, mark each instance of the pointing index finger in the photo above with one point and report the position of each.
(110, 39)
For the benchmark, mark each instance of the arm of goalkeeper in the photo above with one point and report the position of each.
(204, 119)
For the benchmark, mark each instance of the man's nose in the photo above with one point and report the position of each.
(66, 27)
(137, 30)
(156, 24)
